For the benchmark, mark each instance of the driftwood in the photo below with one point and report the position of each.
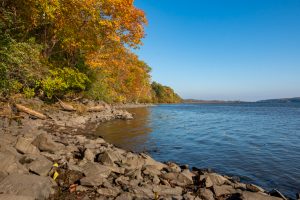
(65, 106)
(29, 111)
(96, 108)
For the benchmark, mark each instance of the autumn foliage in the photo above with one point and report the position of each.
(89, 42)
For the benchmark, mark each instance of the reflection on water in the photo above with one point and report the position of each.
(130, 134)
(257, 142)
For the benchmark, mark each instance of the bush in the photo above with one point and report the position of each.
(20, 65)
(62, 81)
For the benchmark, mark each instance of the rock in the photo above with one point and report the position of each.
(254, 188)
(276, 193)
(154, 163)
(257, 196)
(178, 179)
(15, 197)
(24, 145)
(28, 185)
(81, 139)
(217, 179)
(9, 164)
(190, 196)
(241, 186)
(134, 174)
(133, 162)
(143, 192)
(109, 158)
(109, 192)
(125, 196)
(156, 180)
(206, 194)
(122, 180)
(95, 169)
(151, 170)
(224, 190)
(163, 190)
(172, 167)
(89, 155)
(45, 143)
(91, 181)
(37, 164)
(95, 174)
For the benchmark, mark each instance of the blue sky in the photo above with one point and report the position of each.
(224, 49)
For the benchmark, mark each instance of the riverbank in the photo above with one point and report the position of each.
(34, 151)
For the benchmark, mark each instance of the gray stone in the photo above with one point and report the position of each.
(24, 145)
(9, 164)
(163, 190)
(109, 158)
(217, 179)
(95, 174)
(178, 179)
(257, 196)
(172, 167)
(95, 169)
(151, 170)
(44, 142)
(125, 196)
(37, 164)
(122, 180)
(28, 185)
(206, 194)
(89, 155)
(151, 161)
(109, 192)
(224, 190)
(91, 181)
(254, 188)
(15, 197)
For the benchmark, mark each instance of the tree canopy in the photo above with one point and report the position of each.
(57, 47)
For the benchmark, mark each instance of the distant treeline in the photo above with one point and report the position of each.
(71, 48)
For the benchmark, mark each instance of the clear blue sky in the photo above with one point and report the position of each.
(224, 49)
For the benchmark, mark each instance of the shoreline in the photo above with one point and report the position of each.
(94, 169)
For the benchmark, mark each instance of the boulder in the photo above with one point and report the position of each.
(164, 190)
(125, 196)
(206, 194)
(95, 174)
(217, 179)
(122, 180)
(37, 164)
(15, 197)
(172, 167)
(108, 192)
(254, 188)
(91, 181)
(144, 192)
(9, 164)
(24, 145)
(178, 178)
(45, 143)
(27, 185)
(224, 190)
(89, 155)
(95, 169)
(151, 170)
(151, 161)
(109, 157)
(246, 195)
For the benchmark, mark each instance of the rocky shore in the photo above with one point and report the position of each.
(53, 159)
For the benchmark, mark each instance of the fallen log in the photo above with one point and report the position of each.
(65, 106)
(96, 108)
(29, 111)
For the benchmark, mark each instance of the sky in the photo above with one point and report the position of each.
(224, 49)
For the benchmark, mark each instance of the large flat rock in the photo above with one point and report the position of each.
(27, 185)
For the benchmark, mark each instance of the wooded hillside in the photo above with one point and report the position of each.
(57, 48)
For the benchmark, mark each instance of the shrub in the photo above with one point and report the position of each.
(62, 81)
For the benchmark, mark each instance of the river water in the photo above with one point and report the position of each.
(258, 142)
